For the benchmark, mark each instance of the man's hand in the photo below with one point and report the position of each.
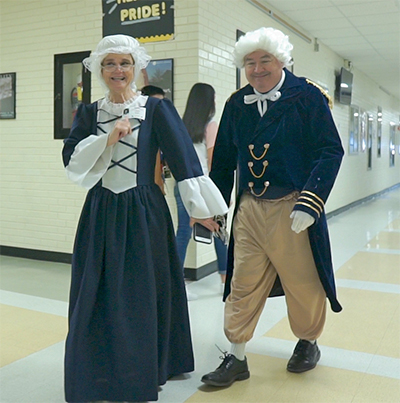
(301, 221)
(209, 223)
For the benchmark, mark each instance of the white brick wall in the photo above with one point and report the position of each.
(40, 207)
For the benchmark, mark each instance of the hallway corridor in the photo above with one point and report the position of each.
(360, 346)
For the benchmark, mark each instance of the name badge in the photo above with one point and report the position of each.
(135, 113)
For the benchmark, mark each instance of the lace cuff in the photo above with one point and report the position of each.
(89, 161)
(201, 197)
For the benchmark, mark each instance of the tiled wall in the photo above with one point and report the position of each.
(40, 207)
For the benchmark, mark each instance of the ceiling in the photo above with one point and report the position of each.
(366, 32)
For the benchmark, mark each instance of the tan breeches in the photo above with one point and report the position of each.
(265, 246)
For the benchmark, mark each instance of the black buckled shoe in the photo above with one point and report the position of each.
(305, 357)
(229, 371)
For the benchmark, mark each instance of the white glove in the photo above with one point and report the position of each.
(301, 221)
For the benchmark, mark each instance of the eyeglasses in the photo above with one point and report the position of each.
(111, 67)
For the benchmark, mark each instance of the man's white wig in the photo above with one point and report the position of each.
(271, 40)
(120, 44)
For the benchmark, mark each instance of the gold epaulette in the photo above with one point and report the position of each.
(324, 92)
(233, 93)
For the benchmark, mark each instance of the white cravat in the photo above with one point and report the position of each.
(261, 99)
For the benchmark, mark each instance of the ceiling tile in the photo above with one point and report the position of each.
(366, 20)
(373, 8)
(288, 5)
(314, 14)
(392, 30)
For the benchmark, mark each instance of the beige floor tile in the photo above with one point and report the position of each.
(377, 389)
(23, 332)
(270, 383)
(368, 323)
(385, 240)
(9, 353)
(390, 345)
(369, 266)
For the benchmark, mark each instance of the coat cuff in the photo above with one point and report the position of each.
(201, 197)
(310, 203)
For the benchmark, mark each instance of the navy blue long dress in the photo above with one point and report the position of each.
(128, 316)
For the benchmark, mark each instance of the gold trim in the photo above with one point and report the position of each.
(324, 92)
(251, 148)
(251, 184)
(309, 206)
(155, 38)
(311, 200)
(313, 195)
(250, 165)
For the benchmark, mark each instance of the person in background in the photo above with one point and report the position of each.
(198, 119)
(128, 315)
(153, 91)
(279, 132)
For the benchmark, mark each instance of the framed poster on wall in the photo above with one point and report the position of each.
(7, 95)
(354, 129)
(363, 129)
(159, 73)
(241, 79)
(72, 84)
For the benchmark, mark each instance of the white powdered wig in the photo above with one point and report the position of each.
(120, 44)
(271, 40)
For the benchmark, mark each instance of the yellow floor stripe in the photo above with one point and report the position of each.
(23, 332)
(369, 266)
(369, 323)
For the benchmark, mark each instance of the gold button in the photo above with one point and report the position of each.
(266, 184)
(251, 146)
(266, 146)
(265, 163)
(251, 184)
(250, 164)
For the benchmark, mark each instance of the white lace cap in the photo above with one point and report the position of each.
(120, 44)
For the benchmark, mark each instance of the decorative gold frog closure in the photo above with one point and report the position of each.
(251, 185)
(251, 164)
(251, 148)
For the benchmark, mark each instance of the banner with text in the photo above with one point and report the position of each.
(145, 20)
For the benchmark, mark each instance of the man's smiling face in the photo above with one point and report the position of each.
(263, 70)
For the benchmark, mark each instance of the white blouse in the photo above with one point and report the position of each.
(116, 165)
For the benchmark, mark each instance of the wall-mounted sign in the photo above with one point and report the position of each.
(7, 95)
(145, 20)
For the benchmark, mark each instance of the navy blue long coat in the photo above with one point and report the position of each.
(299, 139)
(128, 316)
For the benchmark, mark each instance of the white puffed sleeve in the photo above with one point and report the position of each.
(201, 197)
(89, 161)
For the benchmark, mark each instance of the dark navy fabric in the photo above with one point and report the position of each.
(304, 154)
(128, 316)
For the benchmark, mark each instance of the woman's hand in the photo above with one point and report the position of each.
(209, 223)
(121, 129)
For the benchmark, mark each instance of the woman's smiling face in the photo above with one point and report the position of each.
(118, 72)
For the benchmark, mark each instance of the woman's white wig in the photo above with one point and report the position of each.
(120, 44)
(271, 40)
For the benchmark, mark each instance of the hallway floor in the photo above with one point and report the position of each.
(360, 346)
